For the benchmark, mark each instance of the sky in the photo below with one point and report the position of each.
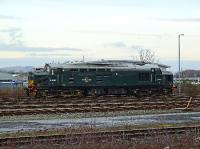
(36, 32)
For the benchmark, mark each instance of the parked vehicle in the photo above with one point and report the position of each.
(100, 78)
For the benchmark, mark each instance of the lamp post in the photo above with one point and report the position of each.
(179, 63)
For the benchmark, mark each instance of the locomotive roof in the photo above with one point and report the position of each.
(140, 63)
(113, 64)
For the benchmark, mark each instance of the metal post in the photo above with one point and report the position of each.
(179, 63)
(83, 59)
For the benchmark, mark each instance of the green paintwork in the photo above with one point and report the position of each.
(106, 79)
(64, 78)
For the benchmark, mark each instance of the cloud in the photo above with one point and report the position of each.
(16, 44)
(121, 33)
(118, 44)
(121, 44)
(197, 20)
(8, 17)
(13, 29)
(15, 34)
(47, 54)
(22, 48)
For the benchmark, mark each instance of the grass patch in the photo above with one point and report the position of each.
(14, 93)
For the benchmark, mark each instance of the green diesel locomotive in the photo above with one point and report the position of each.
(115, 77)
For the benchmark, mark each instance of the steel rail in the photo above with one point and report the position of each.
(98, 136)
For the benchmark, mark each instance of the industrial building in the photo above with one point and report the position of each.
(8, 80)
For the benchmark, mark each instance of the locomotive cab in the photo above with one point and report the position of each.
(37, 83)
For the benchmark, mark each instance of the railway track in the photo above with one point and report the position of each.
(108, 98)
(88, 104)
(97, 136)
(101, 99)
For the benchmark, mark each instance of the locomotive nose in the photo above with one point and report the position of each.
(30, 83)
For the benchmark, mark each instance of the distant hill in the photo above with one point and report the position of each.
(189, 73)
(17, 69)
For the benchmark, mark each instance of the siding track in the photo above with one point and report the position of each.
(28, 106)
(98, 136)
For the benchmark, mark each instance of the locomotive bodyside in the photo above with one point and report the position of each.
(102, 79)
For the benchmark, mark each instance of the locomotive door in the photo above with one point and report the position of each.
(59, 76)
(153, 76)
